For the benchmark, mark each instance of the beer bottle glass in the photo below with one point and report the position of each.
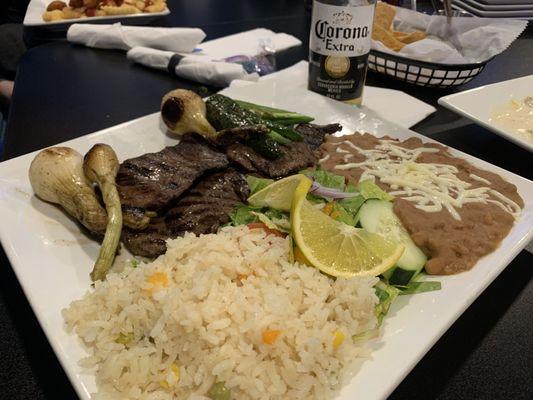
(339, 44)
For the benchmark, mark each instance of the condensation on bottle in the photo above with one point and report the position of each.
(339, 44)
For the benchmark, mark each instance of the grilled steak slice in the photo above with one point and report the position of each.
(153, 180)
(202, 209)
(296, 156)
(149, 242)
(313, 134)
(207, 205)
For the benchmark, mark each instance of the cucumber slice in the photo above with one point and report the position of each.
(377, 216)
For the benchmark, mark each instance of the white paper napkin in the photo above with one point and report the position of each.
(248, 43)
(392, 105)
(198, 68)
(121, 37)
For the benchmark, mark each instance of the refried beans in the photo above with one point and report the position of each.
(454, 237)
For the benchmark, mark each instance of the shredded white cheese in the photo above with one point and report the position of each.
(325, 158)
(431, 186)
(479, 179)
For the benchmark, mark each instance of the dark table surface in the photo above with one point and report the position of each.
(64, 91)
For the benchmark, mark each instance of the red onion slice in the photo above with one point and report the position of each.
(318, 190)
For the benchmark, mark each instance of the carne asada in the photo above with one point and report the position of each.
(202, 209)
(207, 204)
(150, 242)
(153, 180)
(295, 157)
(313, 135)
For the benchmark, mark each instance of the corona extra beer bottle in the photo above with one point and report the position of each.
(339, 44)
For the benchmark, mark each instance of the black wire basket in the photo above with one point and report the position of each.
(423, 73)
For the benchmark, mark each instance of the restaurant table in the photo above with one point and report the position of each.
(63, 91)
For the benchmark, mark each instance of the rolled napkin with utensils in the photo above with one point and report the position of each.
(198, 68)
(117, 36)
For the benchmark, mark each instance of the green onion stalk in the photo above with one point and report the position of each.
(101, 166)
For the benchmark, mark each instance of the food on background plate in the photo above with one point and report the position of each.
(455, 212)
(59, 10)
(384, 32)
(516, 116)
(225, 309)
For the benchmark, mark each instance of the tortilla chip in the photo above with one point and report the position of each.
(410, 37)
(384, 15)
(387, 38)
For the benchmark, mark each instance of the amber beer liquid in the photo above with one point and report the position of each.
(339, 44)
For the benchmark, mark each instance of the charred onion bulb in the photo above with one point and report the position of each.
(183, 111)
(101, 166)
(56, 175)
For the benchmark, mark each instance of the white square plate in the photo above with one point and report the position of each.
(478, 104)
(498, 7)
(504, 2)
(52, 258)
(36, 8)
(514, 13)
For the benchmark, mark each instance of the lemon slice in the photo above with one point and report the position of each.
(277, 195)
(336, 248)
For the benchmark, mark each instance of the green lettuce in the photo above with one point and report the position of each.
(369, 190)
(278, 224)
(326, 178)
(279, 218)
(243, 214)
(386, 295)
(415, 287)
(256, 184)
(341, 214)
(352, 205)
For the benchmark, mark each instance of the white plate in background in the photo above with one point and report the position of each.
(502, 6)
(52, 258)
(478, 104)
(36, 8)
(514, 13)
(505, 2)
